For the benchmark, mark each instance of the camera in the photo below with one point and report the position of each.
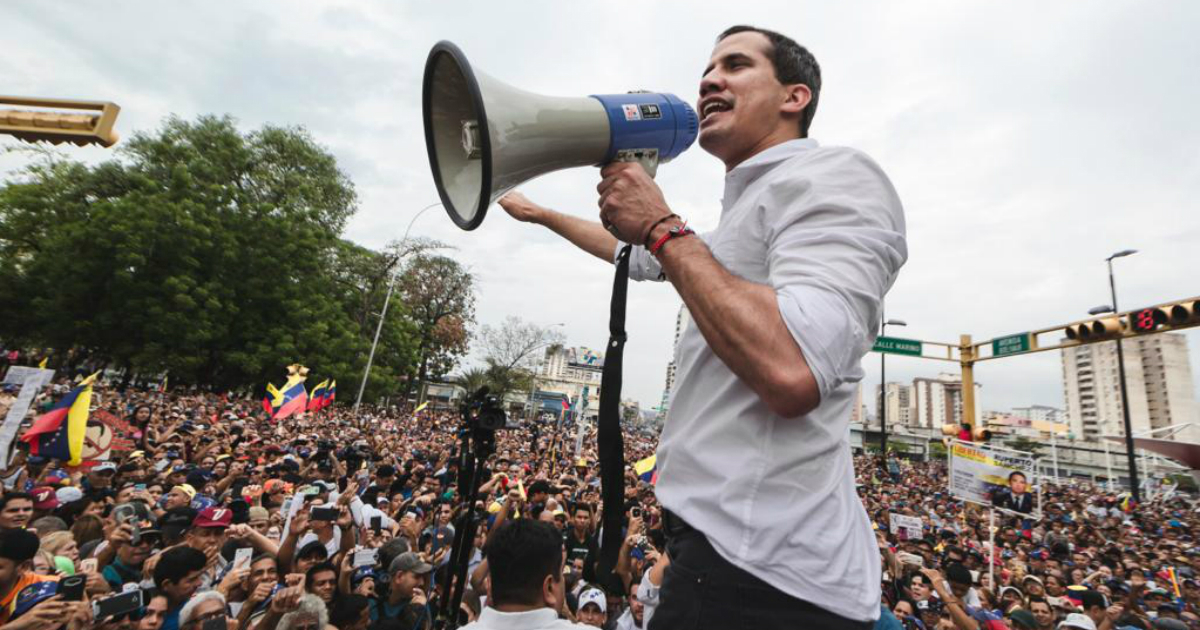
(484, 411)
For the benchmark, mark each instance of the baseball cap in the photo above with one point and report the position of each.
(214, 516)
(409, 561)
(187, 489)
(362, 573)
(313, 548)
(32, 595)
(1078, 621)
(1167, 623)
(259, 513)
(593, 596)
(68, 494)
(105, 467)
(1023, 620)
(44, 498)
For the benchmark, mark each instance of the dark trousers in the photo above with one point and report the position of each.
(702, 590)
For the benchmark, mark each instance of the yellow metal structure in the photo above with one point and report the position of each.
(59, 120)
(1160, 318)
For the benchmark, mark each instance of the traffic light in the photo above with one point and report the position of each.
(1095, 329)
(1180, 314)
(57, 120)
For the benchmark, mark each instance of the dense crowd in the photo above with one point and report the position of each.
(220, 517)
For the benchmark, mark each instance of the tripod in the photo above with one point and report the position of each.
(477, 443)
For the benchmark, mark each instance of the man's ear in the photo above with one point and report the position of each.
(548, 595)
(797, 96)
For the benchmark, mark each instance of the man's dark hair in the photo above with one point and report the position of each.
(318, 568)
(12, 496)
(176, 563)
(347, 609)
(1016, 473)
(958, 574)
(18, 545)
(520, 555)
(1091, 599)
(793, 64)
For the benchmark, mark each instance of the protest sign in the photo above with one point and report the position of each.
(18, 374)
(906, 527)
(31, 380)
(995, 476)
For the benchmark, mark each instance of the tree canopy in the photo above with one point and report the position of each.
(216, 256)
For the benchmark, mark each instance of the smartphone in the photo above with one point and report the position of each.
(322, 513)
(241, 558)
(71, 587)
(118, 605)
(88, 565)
(365, 558)
(162, 464)
(636, 512)
(216, 623)
(139, 486)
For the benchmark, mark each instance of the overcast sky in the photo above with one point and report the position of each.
(1028, 140)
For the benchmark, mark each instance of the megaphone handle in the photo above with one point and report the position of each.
(648, 158)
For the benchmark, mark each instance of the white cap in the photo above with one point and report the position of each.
(596, 596)
(68, 494)
(1077, 620)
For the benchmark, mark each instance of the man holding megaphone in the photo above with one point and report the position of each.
(765, 527)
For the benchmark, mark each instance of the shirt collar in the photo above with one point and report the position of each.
(542, 617)
(744, 174)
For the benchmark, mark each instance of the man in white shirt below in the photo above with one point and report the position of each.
(526, 589)
(765, 528)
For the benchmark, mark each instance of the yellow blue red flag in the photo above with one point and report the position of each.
(59, 433)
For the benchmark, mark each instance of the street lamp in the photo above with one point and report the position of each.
(386, 300)
(884, 323)
(1133, 474)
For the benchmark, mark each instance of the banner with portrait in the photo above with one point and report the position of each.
(996, 477)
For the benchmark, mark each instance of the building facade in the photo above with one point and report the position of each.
(1158, 376)
(573, 371)
(682, 319)
(937, 401)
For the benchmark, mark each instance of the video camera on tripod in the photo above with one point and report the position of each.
(483, 411)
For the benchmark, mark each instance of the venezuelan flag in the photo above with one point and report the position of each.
(316, 400)
(295, 397)
(646, 468)
(59, 433)
(330, 394)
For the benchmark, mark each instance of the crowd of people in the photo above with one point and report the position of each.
(221, 517)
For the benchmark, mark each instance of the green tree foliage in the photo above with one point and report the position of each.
(202, 251)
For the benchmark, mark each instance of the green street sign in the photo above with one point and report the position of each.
(895, 345)
(1012, 344)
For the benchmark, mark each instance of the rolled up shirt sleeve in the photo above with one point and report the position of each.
(835, 244)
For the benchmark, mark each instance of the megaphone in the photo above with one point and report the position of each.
(486, 137)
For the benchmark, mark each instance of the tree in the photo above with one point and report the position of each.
(202, 251)
(440, 296)
(510, 351)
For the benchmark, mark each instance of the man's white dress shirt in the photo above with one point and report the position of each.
(824, 228)
(539, 619)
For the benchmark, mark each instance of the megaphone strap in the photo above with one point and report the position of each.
(610, 445)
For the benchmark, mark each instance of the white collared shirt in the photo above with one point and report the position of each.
(492, 619)
(825, 229)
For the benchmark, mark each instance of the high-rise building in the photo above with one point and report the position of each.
(937, 401)
(899, 403)
(681, 321)
(1158, 375)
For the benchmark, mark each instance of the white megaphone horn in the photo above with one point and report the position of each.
(486, 137)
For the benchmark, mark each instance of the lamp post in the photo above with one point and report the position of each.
(1129, 450)
(883, 324)
(383, 315)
